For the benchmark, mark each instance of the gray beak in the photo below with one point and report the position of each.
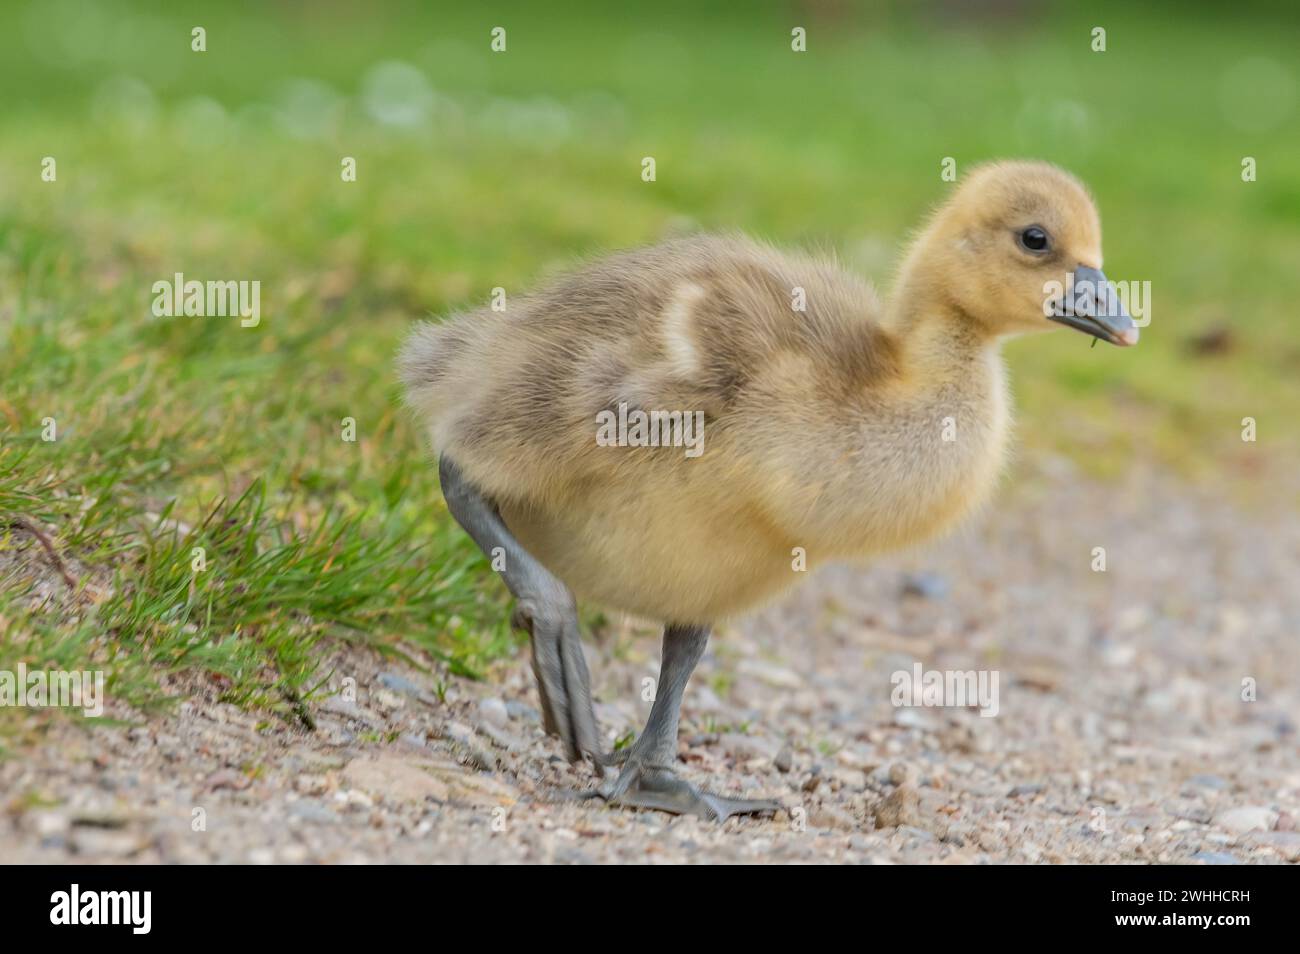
(1091, 305)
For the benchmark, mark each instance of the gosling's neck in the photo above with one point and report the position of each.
(940, 340)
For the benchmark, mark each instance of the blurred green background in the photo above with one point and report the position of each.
(477, 169)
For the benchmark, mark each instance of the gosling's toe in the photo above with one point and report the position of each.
(563, 682)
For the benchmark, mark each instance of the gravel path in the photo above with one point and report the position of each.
(1121, 733)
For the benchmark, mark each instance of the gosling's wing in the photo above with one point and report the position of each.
(735, 315)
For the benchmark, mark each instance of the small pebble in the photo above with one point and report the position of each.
(1246, 818)
(494, 712)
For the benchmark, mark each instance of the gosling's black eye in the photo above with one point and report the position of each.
(1034, 239)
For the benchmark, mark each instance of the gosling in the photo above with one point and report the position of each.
(834, 426)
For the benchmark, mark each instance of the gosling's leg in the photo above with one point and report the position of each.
(546, 609)
(648, 779)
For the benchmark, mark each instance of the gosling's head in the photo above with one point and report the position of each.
(1018, 248)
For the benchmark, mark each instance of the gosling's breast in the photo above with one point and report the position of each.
(925, 464)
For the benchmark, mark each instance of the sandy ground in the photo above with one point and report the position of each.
(1121, 733)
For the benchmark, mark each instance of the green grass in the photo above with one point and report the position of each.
(182, 433)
